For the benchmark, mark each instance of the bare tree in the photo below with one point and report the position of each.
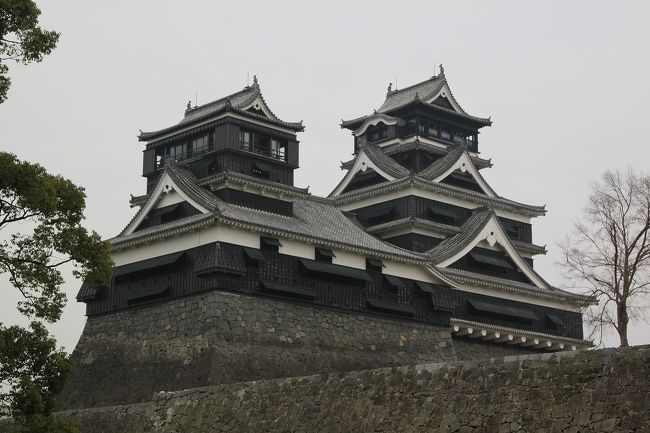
(608, 254)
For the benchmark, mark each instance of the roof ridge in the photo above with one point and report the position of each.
(224, 99)
(448, 190)
(441, 165)
(385, 162)
(468, 232)
(433, 78)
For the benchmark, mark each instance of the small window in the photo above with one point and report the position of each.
(433, 131)
(245, 140)
(324, 255)
(445, 134)
(200, 144)
(378, 133)
(262, 145)
(176, 152)
(375, 265)
(278, 149)
(269, 244)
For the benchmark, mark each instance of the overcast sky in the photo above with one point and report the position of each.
(566, 85)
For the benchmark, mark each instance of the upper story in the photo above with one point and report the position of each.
(427, 109)
(238, 133)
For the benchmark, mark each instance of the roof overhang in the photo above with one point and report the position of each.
(515, 337)
(375, 120)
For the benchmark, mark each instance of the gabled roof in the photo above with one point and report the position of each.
(444, 189)
(371, 156)
(416, 144)
(313, 220)
(174, 177)
(469, 231)
(248, 102)
(384, 229)
(456, 159)
(427, 93)
(232, 177)
(376, 119)
(483, 225)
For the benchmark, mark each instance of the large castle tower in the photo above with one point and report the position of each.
(228, 272)
(415, 182)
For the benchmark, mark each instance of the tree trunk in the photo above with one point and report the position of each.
(623, 320)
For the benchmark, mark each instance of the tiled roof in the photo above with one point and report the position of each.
(234, 177)
(423, 90)
(385, 162)
(376, 118)
(468, 233)
(443, 164)
(313, 220)
(86, 291)
(187, 182)
(392, 149)
(447, 190)
(235, 102)
(443, 229)
(526, 247)
(420, 223)
(440, 166)
(416, 94)
(460, 277)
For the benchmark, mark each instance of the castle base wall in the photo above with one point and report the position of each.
(593, 391)
(219, 337)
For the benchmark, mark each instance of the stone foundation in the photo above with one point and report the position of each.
(577, 392)
(219, 337)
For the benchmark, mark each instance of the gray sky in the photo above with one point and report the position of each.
(564, 82)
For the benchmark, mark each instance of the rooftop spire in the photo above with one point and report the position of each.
(390, 87)
(442, 70)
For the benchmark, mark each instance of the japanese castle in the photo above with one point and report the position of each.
(411, 233)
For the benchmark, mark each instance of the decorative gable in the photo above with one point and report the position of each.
(490, 234)
(371, 158)
(259, 107)
(464, 166)
(444, 98)
(167, 193)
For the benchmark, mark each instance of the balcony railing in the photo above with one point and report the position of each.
(188, 153)
(278, 153)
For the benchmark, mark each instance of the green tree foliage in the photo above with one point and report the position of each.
(35, 371)
(49, 211)
(21, 38)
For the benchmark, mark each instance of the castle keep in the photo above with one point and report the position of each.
(229, 272)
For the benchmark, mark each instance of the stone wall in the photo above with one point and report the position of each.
(219, 337)
(473, 349)
(595, 391)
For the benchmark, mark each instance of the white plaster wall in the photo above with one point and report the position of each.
(172, 197)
